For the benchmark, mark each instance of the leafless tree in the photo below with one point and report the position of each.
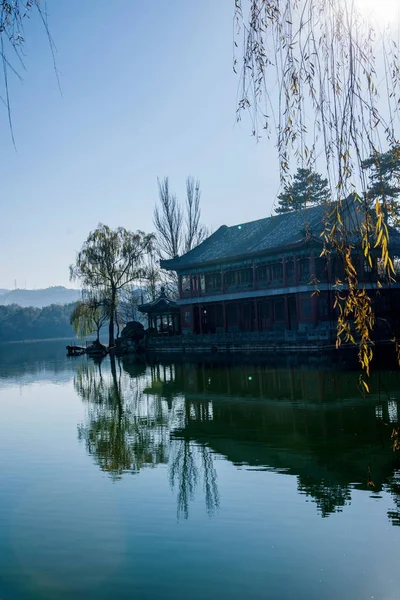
(195, 231)
(168, 221)
(178, 227)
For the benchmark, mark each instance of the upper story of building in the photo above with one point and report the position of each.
(282, 251)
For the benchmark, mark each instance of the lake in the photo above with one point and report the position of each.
(195, 480)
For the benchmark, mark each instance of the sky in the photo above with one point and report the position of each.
(147, 91)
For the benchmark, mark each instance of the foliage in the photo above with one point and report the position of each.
(108, 261)
(90, 314)
(323, 79)
(384, 180)
(307, 189)
(27, 323)
(13, 13)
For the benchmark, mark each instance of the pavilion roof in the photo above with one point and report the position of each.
(160, 306)
(272, 234)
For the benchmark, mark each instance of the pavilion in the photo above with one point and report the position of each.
(163, 315)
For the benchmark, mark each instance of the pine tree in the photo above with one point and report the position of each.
(308, 189)
(384, 181)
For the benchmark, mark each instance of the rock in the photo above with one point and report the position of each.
(131, 337)
(133, 331)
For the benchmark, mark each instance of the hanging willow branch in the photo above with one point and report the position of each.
(13, 14)
(323, 82)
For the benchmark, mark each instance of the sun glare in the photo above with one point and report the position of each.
(382, 12)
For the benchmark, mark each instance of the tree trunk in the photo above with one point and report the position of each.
(117, 323)
(111, 340)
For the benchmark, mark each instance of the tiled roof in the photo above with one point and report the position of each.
(267, 235)
(161, 305)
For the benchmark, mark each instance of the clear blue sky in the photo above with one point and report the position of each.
(148, 90)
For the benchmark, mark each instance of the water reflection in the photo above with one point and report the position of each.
(308, 422)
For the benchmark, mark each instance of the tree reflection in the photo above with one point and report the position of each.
(394, 488)
(116, 435)
(186, 462)
(128, 425)
(184, 414)
(329, 497)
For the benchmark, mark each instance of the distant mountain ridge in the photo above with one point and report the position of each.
(39, 298)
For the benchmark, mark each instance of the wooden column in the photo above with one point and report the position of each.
(201, 319)
(256, 321)
(315, 309)
(287, 318)
(312, 265)
(329, 269)
(180, 286)
(254, 276)
(284, 271)
(224, 317)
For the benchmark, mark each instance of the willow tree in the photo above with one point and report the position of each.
(90, 314)
(322, 79)
(109, 260)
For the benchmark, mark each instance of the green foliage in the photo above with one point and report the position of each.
(384, 179)
(307, 189)
(109, 260)
(90, 314)
(18, 323)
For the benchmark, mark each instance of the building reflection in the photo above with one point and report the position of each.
(310, 422)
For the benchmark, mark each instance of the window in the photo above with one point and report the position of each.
(289, 271)
(323, 308)
(304, 269)
(263, 273)
(213, 282)
(186, 284)
(230, 278)
(245, 276)
(306, 311)
(277, 272)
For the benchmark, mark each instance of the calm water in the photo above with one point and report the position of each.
(122, 480)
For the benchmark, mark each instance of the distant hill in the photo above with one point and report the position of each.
(39, 298)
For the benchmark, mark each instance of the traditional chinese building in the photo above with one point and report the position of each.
(269, 276)
(163, 315)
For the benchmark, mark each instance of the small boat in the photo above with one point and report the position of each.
(75, 350)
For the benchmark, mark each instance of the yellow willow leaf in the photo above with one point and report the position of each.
(379, 238)
(385, 259)
(365, 385)
(370, 260)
